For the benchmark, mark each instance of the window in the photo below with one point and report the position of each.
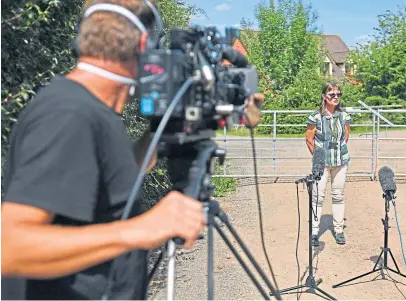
(325, 69)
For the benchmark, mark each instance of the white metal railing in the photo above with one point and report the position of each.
(288, 156)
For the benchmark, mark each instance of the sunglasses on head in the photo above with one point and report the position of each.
(333, 95)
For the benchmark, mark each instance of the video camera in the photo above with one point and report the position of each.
(217, 95)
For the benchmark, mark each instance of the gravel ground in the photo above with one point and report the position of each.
(332, 263)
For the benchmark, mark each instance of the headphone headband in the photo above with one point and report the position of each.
(116, 9)
(146, 40)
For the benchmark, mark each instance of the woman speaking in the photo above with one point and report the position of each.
(329, 128)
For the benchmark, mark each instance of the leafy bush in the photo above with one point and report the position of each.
(36, 39)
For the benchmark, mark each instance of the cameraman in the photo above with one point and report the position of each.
(70, 170)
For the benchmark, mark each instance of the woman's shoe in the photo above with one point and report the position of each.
(315, 241)
(340, 238)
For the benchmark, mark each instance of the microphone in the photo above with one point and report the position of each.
(318, 166)
(234, 57)
(318, 163)
(388, 182)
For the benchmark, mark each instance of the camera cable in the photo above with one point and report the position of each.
(259, 205)
(400, 233)
(297, 241)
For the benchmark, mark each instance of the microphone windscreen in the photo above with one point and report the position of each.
(387, 179)
(318, 162)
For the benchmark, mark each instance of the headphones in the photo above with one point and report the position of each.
(148, 40)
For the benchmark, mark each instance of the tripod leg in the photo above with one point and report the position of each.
(366, 274)
(285, 290)
(324, 293)
(242, 263)
(210, 261)
(377, 261)
(355, 278)
(171, 269)
(394, 261)
(396, 272)
(224, 219)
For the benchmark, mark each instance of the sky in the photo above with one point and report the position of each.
(353, 20)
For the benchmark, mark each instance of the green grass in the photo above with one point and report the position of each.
(223, 186)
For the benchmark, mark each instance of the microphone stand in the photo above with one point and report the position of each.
(385, 250)
(311, 282)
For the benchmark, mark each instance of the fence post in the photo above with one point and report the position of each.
(377, 143)
(225, 144)
(274, 143)
(373, 174)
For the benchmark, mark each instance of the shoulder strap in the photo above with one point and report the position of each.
(322, 124)
(342, 125)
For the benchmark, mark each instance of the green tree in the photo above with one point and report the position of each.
(286, 53)
(381, 61)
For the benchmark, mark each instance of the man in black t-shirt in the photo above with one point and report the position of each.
(70, 171)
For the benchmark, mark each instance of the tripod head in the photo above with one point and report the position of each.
(190, 166)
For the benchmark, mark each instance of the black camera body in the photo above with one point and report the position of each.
(212, 102)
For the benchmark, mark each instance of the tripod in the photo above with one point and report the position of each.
(190, 167)
(385, 250)
(311, 282)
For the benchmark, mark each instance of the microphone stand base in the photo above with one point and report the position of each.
(312, 286)
(382, 268)
(310, 283)
(384, 252)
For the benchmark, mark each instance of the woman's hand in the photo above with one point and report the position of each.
(252, 110)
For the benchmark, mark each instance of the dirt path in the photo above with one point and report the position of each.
(333, 263)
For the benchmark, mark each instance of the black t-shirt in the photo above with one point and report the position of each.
(70, 154)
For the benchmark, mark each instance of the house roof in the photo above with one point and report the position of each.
(333, 43)
(336, 47)
(337, 50)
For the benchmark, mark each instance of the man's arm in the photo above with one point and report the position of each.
(33, 248)
(310, 134)
(56, 173)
